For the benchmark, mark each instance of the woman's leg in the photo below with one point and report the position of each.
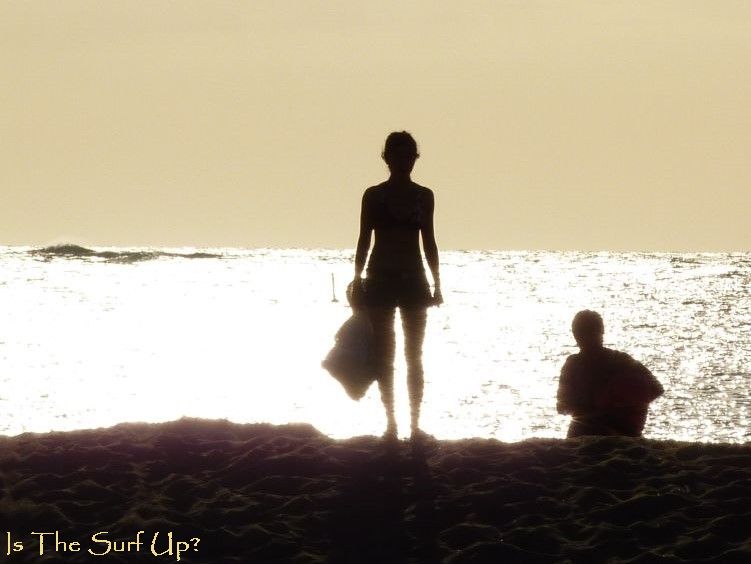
(413, 323)
(382, 319)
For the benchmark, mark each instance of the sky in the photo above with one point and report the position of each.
(578, 125)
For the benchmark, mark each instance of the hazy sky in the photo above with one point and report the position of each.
(542, 125)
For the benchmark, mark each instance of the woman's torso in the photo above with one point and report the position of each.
(397, 214)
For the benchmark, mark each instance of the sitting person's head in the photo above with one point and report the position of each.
(588, 329)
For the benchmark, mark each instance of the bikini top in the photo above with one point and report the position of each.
(386, 216)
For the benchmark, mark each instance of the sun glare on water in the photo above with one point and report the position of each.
(93, 342)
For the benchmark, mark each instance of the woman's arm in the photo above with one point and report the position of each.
(430, 246)
(363, 240)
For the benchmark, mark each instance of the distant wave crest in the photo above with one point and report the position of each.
(65, 251)
(79, 252)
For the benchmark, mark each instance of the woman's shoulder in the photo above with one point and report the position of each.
(424, 194)
(380, 191)
(372, 195)
(422, 189)
(375, 190)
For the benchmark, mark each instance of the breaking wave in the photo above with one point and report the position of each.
(124, 256)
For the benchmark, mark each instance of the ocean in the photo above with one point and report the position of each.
(94, 337)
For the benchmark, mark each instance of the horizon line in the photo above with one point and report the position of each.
(352, 249)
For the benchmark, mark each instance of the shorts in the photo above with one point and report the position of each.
(397, 288)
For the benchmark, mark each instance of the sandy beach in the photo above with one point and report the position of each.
(213, 491)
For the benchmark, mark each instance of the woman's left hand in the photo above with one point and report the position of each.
(437, 296)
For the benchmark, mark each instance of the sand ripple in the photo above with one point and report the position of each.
(266, 494)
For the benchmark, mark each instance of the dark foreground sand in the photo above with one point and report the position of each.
(265, 494)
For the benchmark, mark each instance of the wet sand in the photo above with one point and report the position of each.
(220, 492)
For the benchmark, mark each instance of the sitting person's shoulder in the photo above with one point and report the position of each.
(619, 357)
(572, 367)
(572, 360)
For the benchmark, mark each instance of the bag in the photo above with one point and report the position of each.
(351, 359)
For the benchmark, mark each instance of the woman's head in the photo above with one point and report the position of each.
(400, 152)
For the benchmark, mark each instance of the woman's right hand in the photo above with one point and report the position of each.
(358, 292)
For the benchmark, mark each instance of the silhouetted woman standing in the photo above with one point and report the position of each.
(398, 211)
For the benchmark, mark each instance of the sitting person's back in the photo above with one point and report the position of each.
(605, 391)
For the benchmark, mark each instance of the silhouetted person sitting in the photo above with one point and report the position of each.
(606, 392)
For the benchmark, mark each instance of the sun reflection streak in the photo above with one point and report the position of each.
(91, 343)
